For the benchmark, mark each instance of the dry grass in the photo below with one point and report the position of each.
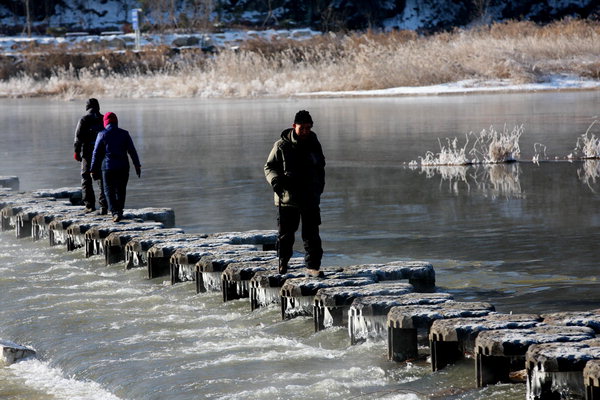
(520, 51)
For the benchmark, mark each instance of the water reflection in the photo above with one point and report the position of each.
(489, 180)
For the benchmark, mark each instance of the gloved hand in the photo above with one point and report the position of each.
(138, 171)
(95, 175)
(278, 186)
(77, 157)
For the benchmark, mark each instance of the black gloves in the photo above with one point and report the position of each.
(278, 187)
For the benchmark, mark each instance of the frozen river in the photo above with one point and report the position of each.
(522, 236)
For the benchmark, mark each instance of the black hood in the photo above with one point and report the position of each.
(92, 104)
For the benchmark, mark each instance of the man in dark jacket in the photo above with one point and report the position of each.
(296, 171)
(85, 137)
(110, 156)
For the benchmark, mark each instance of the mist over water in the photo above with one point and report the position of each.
(522, 236)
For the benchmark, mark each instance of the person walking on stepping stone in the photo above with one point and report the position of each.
(296, 171)
(86, 132)
(110, 161)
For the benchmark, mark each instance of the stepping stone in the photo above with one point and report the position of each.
(265, 286)
(10, 209)
(10, 182)
(267, 239)
(12, 352)
(367, 317)
(501, 351)
(114, 244)
(94, 237)
(57, 229)
(555, 370)
(591, 380)
(158, 257)
(451, 339)
(236, 277)
(40, 224)
(136, 250)
(166, 216)
(420, 274)
(405, 323)
(73, 194)
(183, 261)
(297, 294)
(209, 269)
(331, 305)
(591, 319)
(76, 231)
(23, 220)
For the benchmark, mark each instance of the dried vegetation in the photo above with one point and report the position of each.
(520, 51)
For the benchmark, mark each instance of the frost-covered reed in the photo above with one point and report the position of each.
(488, 147)
(588, 145)
(519, 51)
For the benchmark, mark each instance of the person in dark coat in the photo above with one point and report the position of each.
(112, 147)
(86, 132)
(296, 171)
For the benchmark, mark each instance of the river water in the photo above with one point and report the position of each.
(523, 236)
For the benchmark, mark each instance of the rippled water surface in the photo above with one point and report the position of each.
(522, 236)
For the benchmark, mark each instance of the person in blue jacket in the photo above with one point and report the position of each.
(112, 146)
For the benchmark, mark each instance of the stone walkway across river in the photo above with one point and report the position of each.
(397, 301)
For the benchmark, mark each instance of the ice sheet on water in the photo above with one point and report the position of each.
(41, 376)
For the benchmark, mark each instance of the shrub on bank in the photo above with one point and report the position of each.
(520, 51)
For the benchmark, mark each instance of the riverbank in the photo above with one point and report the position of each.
(506, 57)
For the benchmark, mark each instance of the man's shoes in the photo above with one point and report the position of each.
(117, 217)
(89, 210)
(103, 211)
(314, 273)
(283, 267)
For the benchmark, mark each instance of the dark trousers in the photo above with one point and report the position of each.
(87, 187)
(288, 220)
(115, 187)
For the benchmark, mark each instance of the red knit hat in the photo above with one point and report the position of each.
(110, 118)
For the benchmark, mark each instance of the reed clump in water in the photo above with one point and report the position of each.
(521, 52)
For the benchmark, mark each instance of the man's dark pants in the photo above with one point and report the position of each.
(115, 188)
(288, 220)
(87, 187)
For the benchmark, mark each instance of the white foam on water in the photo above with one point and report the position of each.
(41, 376)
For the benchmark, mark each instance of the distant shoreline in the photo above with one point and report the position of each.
(513, 57)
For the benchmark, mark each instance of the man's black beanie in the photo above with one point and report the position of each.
(303, 117)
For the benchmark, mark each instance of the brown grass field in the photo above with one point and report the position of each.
(521, 52)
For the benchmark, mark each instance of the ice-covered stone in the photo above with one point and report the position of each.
(210, 268)
(331, 305)
(12, 352)
(183, 261)
(591, 378)
(297, 294)
(418, 273)
(367, 316)
(407, 324)
(450, 339)
(10, 182)
(267, 238)
(115, 242)
(590, 319)
(94, 237)
(499, 352)
(555, 370)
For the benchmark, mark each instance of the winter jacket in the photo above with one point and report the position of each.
(111, 149)
(86, 132)
(300, 166)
